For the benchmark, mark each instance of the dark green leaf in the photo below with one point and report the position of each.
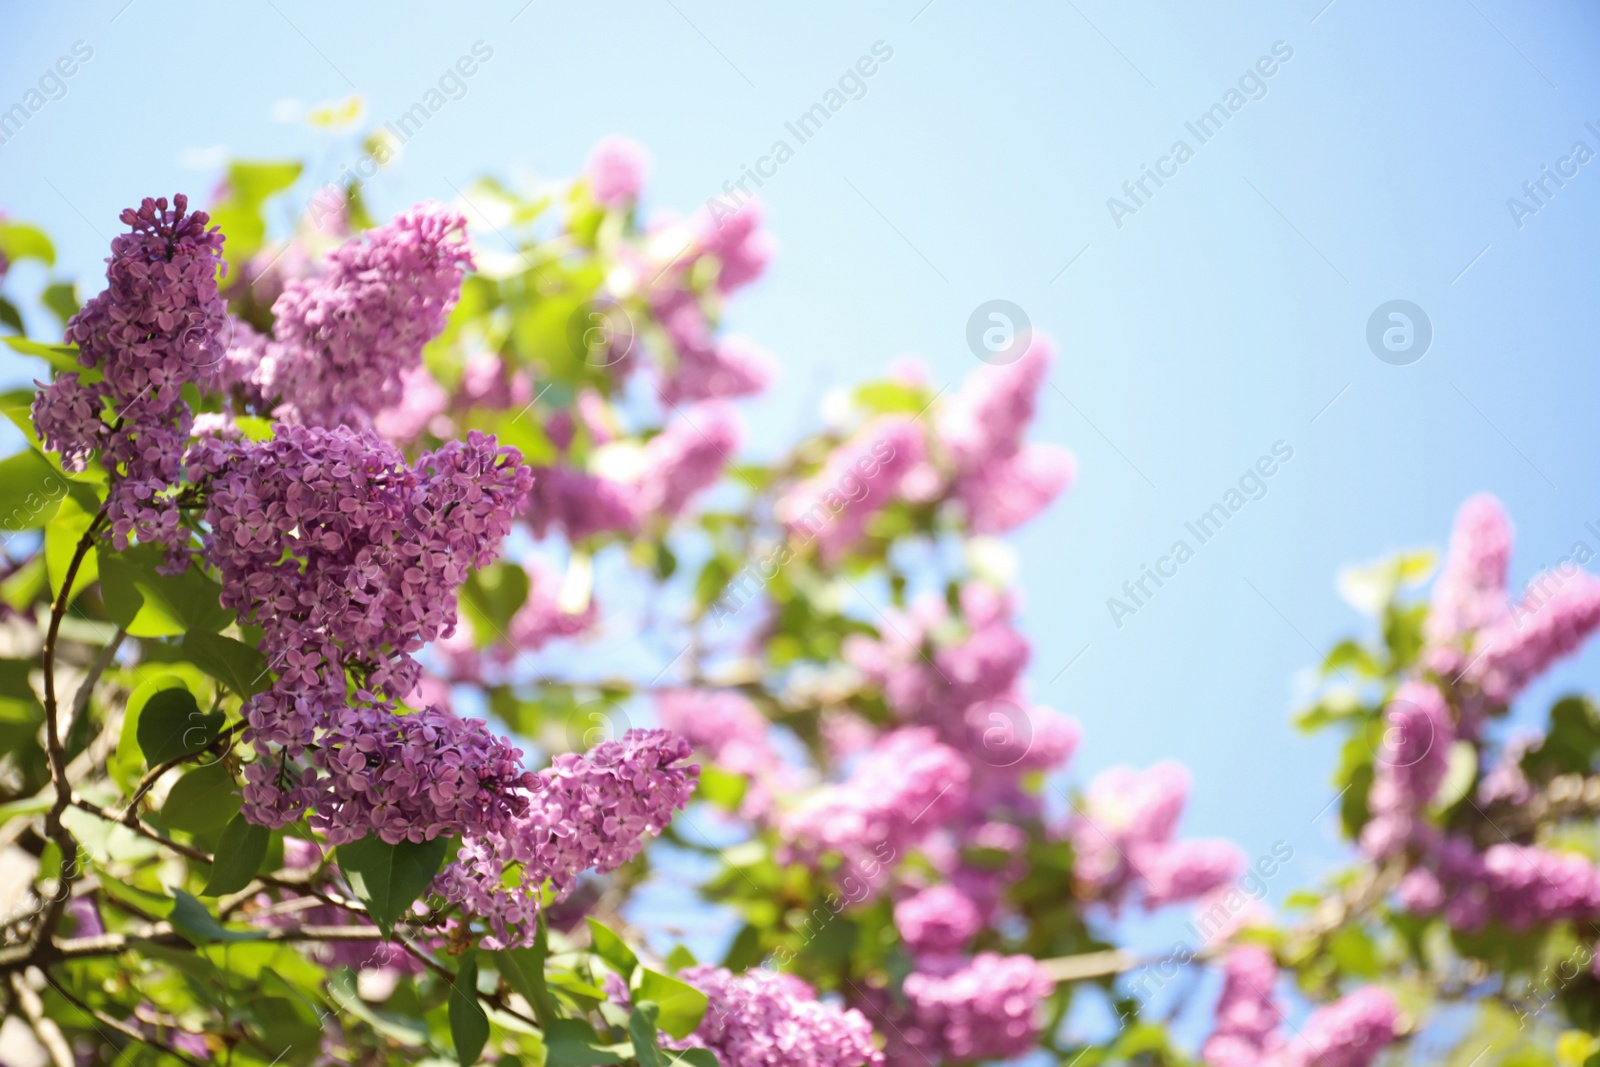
(202, 800)
(151, 604)
(572, 1043)
(239, 855)
(10, 316)
(642, 1028)
(611, 948)
(469, 1026)
(492, 596)
(682, 1006)
(1570, 745)
(172, 725)
(523, 970)
(233, 663)
(389, 878)
(194, 921)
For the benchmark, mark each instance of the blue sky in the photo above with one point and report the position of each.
(1227, 313)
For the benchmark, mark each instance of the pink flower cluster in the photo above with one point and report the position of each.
(938, 920)
(343, 339)
(983, 1008)
(675, 466)
(705, 367)
(1521, 886)
(541, 618)
(1410, 766)
(617, 170)
(732, 730)
(764, 1018)
(1350, 1032)
(1001, 481)
(153, 329)
(1123, 841)
(1476, 633)
(584, 811)
(860, 477)
(900, 791)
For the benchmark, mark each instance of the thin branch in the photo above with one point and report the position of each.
(49, 1034)
(118, 1025)
(53, 826)
(130, 814)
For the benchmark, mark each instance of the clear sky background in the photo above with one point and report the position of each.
(1228, 313)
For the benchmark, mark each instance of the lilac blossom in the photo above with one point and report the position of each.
(857, 480)
(939, 920)
(616, 171)
(987, 1008)
(764, 1018)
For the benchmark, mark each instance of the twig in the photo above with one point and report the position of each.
(118, 1025)
(49, 1034)
(53, 826)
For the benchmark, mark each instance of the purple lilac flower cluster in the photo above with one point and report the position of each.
(939, 920)
(903, 789)
(343, 339)
(1123, 841)
(1350, 1032)
(589, 810)
(1001, 481)
(982, 1008)
(764, 1018)
(152, 330)
(732, 731)
(349, 560)
(855, 482)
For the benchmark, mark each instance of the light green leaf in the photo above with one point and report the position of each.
(682, 1005)
(61, 537)
(20, 240)
(61, 357)
(611, 948)
(30, 491)
(572, 1043)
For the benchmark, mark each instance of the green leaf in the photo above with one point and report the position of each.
(158, 905)
(697, 1057)
(682, 1005)
(239, 855)
(642, 1028)
(61, 357)
(723, 788)
(19, 240)
(62, 299)
(1461, 774)
(611, 948)
(10, 316)
(233, 663)
(491, 597)
(61, 537)
(469, 1026)
(171, 725)
(249, 185)
(679, 958)
(151, 604)
(1571, 743)
(202, 800)
(30, 491)
(195, 922)
(572, 1043)
(389, 878)
(523, 970)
